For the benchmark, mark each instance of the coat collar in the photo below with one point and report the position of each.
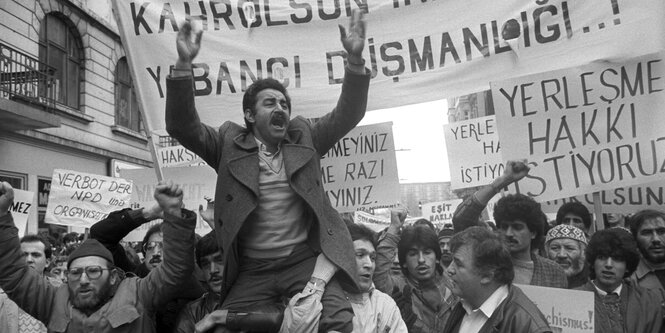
(247, 141)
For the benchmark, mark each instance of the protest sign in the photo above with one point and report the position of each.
(197, 183)
(474, 152)
(21, 209)
(585, 129)
(440, 213)
(623, 200)
(417, 51)
(567, 311)
(376, 222)
(80, 199)
(175, 156)
(360, 170)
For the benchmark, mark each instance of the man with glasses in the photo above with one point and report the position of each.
(97, 297)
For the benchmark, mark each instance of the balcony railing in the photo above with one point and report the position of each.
(24, 78)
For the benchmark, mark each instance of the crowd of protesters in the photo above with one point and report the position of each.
(281, 259)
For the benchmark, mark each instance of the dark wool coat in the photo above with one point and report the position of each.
(232, 151)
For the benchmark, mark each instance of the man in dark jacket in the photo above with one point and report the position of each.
(620, 304)
(96, 297)
(481, 274)
(272, 216)
(116, 226)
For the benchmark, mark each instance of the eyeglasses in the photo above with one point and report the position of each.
(150, 246)
(93, 272)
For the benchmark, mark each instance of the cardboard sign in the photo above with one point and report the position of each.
(81, 199)
(585, 129)
(440, 213)
(623, 200)
(375, 222)
(198, 183)
(474, 152)
(360, 171)
(567, 311)
(417, 51)
(21, 209)
(176, 156)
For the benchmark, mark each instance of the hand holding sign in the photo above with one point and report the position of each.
(6, 197)
(169, 197)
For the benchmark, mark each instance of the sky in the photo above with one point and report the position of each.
(419, 140)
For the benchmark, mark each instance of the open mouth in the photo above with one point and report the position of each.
(278, 120)
(155, 261)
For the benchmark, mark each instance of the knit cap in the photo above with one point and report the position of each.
(91, 247)
(446, 232)
(566, 231)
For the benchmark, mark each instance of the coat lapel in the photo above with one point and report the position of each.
(295, 157)
(244, 163)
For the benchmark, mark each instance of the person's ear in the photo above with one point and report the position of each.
(114, 276)
(249, 116)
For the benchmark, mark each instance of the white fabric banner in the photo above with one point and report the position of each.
(418, 51)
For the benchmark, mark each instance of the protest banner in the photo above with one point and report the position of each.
(623, 200)
(197, 183)
(21, 209)
(177, 156)
(80, 199)
(376, 222)
(474, 152)
(440, 213)
(585, 129)
(567, 311)
(417, 51)
(360, 170)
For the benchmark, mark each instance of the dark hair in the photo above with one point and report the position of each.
(70, 237)
(206, 246)
(417, 235)
(490, 253)
(359, 231)
(635, 221)
(31, 238)
(249, 98)
(153, 229)
(615, 243)
(520, 207)
(575, 208)
(425, 222)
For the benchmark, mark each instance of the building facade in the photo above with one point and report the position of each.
(66, 96)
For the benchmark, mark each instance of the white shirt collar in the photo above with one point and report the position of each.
(491, 303)
(604, 293)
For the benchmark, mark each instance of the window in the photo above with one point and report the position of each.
(126, 107)
(61, 49)
(16, 180)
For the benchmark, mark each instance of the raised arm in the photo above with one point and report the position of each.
(23, 285)
(467, 213)
(352, 103)
(386, 252)
(182, 119)
(111, 230)
(159, 286)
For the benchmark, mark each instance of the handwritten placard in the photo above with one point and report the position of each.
(585, 129)
(360, 170)
(440, 213)
(21, 209)
(81, 199)
(474, 152)
(567, 311)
